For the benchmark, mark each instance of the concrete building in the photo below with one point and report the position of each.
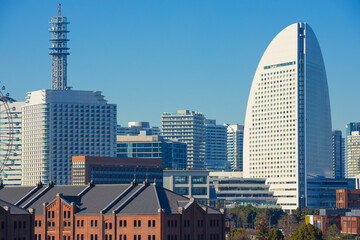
(172, 152)
(350, 127)
(134, 129)
(287, 135)
(233, 190)
(60, 123)
(353, 154)
(187, 127)
(15, 222)
(115, 212)
(11, 174)
(338, 154)
(112, 170)
(215, 146)
(189, 183)
(235, 140)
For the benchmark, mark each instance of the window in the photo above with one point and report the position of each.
(181, 179)
(199, 180)
(139, 223)
(153, 223)
(135, 225)
(149, 224)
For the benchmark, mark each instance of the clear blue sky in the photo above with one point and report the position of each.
(150, 57)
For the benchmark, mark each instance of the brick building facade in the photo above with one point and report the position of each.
(348, 198)
(15, 222)
(116, 212)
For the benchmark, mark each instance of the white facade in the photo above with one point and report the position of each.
(353, 143)
(59, 124)
(235, 140)
(287, 136)
(12, 170)
(187, 127)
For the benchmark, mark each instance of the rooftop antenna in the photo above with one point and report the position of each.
(59, 51)
(59, 9)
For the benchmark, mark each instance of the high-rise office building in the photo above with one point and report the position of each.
(353, 153)
(338, 154)
(60, 123)
(215, 146)
(350, 127)
(11, 174)
(188, 127)
(287, 136)
(235, 139)
(134, 129)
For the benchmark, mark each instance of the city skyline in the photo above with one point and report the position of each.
(165, 51)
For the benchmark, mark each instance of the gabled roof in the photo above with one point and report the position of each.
(122, 199)
(13, 209)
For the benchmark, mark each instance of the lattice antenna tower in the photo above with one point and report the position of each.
(59, 51)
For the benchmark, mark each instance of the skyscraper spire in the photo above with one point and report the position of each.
(59, 51)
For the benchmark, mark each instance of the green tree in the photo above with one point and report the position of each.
(275, 234)
(307, 232)
(262, 230)
(236, 234)
(332, 233)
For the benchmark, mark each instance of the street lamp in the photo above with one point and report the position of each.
(235, 164)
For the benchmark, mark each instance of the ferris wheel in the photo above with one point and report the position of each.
(6, 130)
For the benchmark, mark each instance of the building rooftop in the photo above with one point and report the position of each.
(122, 199)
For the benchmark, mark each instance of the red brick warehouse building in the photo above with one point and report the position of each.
(15, 223)
(115, 212)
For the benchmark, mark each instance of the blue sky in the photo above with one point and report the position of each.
(150, 57)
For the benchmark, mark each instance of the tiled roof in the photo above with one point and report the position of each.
(123, 199)
(13, 209)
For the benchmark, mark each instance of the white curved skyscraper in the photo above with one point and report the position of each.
(287, 136)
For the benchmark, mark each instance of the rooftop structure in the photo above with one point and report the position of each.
(134, 129)
(59, 51)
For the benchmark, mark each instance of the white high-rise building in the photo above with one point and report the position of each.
(353, 144)
(187, 127)
(11, 174)
(59, 124)
(287, 136)
(235, 140)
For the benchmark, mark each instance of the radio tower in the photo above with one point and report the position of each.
(59, 51)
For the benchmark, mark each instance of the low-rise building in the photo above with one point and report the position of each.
(115, 212)
(234, 190)
(112, 170)
(189, 183)
(172, 152)
(15, 222)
